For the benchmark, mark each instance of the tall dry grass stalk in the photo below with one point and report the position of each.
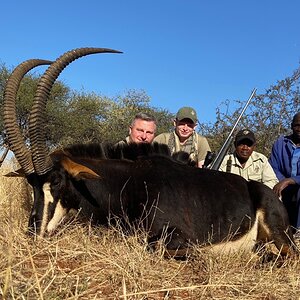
(85, 262)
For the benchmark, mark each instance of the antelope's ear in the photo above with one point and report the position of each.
(18, 173)
(78, 171)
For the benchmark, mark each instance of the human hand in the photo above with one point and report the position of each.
(281, 185)
(200, 163)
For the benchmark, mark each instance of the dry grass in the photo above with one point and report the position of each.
(83, 262)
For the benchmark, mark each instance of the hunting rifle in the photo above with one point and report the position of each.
(217, 160)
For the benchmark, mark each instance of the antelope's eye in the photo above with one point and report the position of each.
(55, 182)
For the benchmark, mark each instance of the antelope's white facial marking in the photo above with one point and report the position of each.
(47, 193)
(47, 199)
(59, 214)
(32, 196)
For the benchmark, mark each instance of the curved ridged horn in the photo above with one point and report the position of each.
(41, 160)
(14, 135)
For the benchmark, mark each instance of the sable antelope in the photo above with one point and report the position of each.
(190, 205)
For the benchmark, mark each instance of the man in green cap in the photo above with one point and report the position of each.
(184, 138)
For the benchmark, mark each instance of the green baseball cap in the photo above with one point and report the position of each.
(187, 113)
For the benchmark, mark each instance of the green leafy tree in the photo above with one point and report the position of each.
(268, 115)
(122, 112)
(73, 117)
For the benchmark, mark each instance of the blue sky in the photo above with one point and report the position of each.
(180, 52)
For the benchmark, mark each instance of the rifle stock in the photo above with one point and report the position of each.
(215, 165)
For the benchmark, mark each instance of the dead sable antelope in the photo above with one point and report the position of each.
(190, 205)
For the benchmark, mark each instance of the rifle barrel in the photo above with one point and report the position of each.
(221, 154)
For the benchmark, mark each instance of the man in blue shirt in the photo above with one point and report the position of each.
(286, 164)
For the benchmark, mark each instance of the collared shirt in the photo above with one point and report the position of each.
(281, 159)
(256, 168)
(124, 142)
(201, 145)
(295, 159)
